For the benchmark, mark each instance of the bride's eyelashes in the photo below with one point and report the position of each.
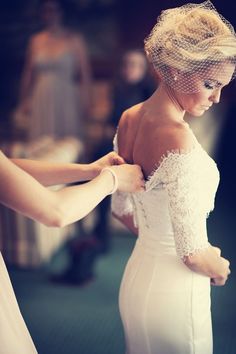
(209, 85)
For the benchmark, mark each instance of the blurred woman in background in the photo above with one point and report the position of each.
(55, 90)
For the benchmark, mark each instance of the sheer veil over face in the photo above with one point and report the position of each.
(189, 40)
(207, 85)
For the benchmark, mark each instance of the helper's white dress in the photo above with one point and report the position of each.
(14, 335)
(165, 307)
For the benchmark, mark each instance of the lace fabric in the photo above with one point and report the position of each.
(188, 204)
(190, 180)
(122, 203)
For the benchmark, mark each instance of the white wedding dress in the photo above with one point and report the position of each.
(14, 335)
(165, 307)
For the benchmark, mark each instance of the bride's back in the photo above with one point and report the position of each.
(144, 138)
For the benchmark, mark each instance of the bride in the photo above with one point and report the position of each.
(165, 291)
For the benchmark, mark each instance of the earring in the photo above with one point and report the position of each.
(175, 78)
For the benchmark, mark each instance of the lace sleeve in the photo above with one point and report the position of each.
(181, 175)
(122, 203)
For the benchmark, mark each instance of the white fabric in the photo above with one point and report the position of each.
(14, 336)
(165, 307)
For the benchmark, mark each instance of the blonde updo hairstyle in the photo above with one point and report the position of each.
(189, 39)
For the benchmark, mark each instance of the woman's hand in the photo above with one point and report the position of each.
(108, 160)
(217, 250)
(130, 178)
(220, 281)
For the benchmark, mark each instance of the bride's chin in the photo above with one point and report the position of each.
(196, 113)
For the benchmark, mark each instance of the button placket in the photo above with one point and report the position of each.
(143, 212)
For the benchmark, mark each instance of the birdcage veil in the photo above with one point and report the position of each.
(189, 41)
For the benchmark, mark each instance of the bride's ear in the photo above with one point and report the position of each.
(174, 74)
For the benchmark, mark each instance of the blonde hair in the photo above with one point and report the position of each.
(189, 38)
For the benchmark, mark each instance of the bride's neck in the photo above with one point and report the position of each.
(166, 105)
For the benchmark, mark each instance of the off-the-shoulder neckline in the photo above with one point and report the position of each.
(158, 166)
(166, 156)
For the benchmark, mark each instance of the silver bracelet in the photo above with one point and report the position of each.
(115, 179)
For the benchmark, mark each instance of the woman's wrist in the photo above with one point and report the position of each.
(112, 179)
(94, 170)
(87, 172)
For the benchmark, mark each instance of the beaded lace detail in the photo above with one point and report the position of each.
(190, 180)
(123, 203)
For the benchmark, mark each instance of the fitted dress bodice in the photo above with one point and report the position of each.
(60, 66)
(179, 195)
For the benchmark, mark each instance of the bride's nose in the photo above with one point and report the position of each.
(215, 97)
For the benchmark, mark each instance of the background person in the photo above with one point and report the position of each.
(55, 89)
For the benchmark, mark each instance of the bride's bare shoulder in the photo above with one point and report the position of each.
(130, 117)
(176, 137)
(127, 130)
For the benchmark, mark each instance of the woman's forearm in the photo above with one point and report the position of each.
(48, 173)
(73, 203)
(21, 192)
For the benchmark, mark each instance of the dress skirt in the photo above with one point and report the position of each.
(14, 335)
(165, 307)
